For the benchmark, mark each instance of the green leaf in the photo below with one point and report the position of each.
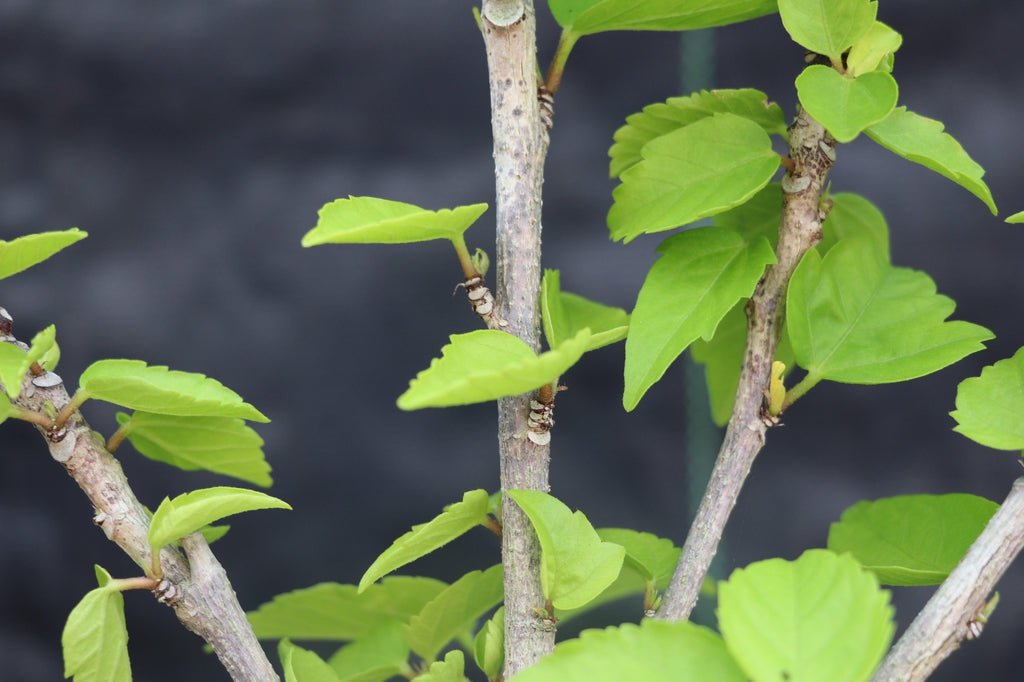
(452, 669)
(24, 252)
(654, 651)
(990, 407)
(698, 171)
(453, 522)
(454, 611)
(489, 645)
(15, 363)
(911, 539)
(329, 611)
(485, 365)
(301, 665)
(187, 513)
(565, 315)
(821, 617)
(584, 17)
(135, 385)
(923, 140)
(846, 106)
(213, 533)
(677, 112)
(222, 445)
(758, 217)
(95, 638)
(828, 27)
(854, 216)
(855, 319)
(652, 557)
(872, 49)
(576, 566)
(377, 656)
(699, 277)
(1016, 218)
(6, 409)
(367, 220)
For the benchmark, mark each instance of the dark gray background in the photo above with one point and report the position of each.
(196, 139)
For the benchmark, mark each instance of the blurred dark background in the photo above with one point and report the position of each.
(196, 139)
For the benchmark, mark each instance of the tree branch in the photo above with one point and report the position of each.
(520, 146)
(945, 620)
(195, 585)
(812, 152)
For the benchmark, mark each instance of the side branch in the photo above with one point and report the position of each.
(952, 613)
(195, 584)
(520, 146)
(812, 153)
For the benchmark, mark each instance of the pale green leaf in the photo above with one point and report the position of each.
(821, 617)
(367, 220)
(760, 216)
(854, 216)
(911, 539)
(652, 557)
(187, 513)
(846, 106)
(302, 665)
(654, 651)
(15, 363)
(698, 171)
(828, 27)
(135, 385)
(584, 17)
(629, 584)
(451, 669)
(1016, 218)
(454, 611)
(222, 445)
(576, 565)
(24, 252)
(330, 611)
(923, 140)
(564, 315)
(699, 277)
(213, 533)
(378, 655)
(487, 364)
(677, 112)
(872, 49)
(853, 318)
(453, 522)
(95, 637)
(6, 409)
(489, 645)
(990, 407)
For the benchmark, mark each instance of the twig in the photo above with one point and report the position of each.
(520, 146)
(196, 587)
(812, 152)
(947, 618)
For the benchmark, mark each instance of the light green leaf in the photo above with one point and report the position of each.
(15, 363)
(222, 445)
(699, 277)
(846, 106)
(6, 409)
(24, 252)
(854, 216)
(821, 617)
(95, 637)
(990, 407)
(911, 539)
(654, 651)
(452, 669)
(576, 566)
(213, 533)
(187, 513)
(135, 385)
(872, 49)
(853, 318)
(677, 112)
(923, 140)
(489, 645)
(698, 171)
(453, 522)
(564, 315)
(652, 557)
(367, 220)
(828, 27)
(584, 17)
(330, 611)
(758, 217)
(301, 665)
(454, 611)
(485, 365)
(1016, 218)
(376, 656)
